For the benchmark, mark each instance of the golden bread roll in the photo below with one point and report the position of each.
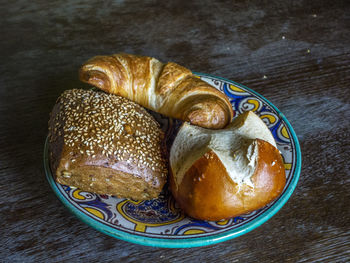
(106, 144)
(219, 174)
(169, 88)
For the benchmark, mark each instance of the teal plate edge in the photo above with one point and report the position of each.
(200, 241)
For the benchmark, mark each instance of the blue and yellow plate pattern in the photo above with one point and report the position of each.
(160, 222)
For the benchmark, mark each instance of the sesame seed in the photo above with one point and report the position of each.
(95, 123)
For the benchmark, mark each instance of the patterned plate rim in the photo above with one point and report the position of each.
(190, 242)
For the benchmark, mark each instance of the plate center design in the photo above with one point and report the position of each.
(153, 212)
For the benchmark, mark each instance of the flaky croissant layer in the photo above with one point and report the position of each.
(169, 88)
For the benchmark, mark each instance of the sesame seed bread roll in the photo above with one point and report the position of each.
(106, 144)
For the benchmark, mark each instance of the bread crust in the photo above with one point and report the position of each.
(207, 192)
(106, 144)
(169, 89)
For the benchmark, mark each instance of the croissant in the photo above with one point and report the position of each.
(169, 88)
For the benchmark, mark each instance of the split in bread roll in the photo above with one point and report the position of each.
(219, 174)
(106, 144)
(169, 89)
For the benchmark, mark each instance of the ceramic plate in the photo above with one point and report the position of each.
(160, 222)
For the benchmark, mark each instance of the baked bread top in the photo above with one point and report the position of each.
(98, 130)
(219, 174)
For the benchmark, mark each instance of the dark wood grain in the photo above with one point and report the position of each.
(295, 53)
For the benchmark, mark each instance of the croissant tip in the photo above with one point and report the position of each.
(94, 78)
(84, 76)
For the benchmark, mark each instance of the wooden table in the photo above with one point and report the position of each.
(295, 53)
